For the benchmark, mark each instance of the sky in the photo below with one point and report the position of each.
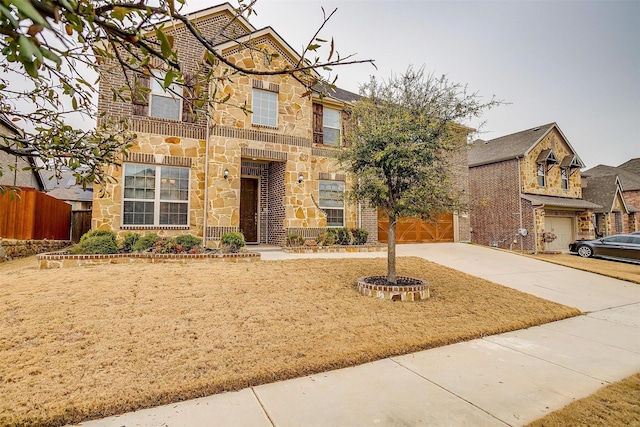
(576, 63)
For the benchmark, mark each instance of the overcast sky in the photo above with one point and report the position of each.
(576, 63)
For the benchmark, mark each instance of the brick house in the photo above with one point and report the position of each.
(267, 173)
(617, 190)
(524, 185)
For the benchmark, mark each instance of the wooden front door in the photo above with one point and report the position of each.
(249, 209)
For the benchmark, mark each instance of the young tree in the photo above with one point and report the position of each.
(402, 135)
(50, 46)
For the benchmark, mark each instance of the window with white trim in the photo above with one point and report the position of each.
(155, 195)
(330, 127)
(564, 175)
(542, 174)
(165, 104)
(331, 201)
(264, 108)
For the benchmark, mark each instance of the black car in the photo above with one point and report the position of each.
(624, 247)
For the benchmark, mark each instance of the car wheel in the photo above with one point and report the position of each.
(585, 251)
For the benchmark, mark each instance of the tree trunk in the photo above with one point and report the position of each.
(391, 251)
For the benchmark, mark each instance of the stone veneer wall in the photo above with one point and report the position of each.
(553, 187)
(11, 248)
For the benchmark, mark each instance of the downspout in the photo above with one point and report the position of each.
(206, 177)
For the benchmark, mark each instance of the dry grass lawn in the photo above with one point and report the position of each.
(82, 343)
(615, 269)
(615, 405)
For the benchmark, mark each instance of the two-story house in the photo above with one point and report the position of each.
(267, 171)
(617, 190)
(525, 188)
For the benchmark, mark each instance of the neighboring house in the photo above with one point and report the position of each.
(65, 188)
(524, 186)
(17, 171)
(617, 189)
(267, 173)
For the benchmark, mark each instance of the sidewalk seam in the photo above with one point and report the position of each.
(262, 406)
(449, 391)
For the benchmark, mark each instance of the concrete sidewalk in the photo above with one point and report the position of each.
(507, 379)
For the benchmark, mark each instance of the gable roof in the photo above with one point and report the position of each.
(632, 166)
(289, 53)
(603, 190)
(628, 180)
(511, 146)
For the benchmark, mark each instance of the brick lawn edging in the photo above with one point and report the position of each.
(63, 259)
(334, 248)
(417, 291)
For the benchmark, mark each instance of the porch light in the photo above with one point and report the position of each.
(300, 178)
(226, 173)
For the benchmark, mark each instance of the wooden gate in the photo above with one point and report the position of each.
(80, 224)
(413, 230)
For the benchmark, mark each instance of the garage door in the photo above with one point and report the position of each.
(563, 229)
(411, 230)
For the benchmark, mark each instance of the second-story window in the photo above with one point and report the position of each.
(264, 108)
(165, 104)
(330, 127)
(564, 175)
(542, 175)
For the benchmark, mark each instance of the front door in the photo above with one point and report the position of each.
(563, 229)
(249, 209)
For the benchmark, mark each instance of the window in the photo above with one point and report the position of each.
(155, 195)
(542, 175)
(332, 202)
(265, 108)
(164, 103)
(565, 178)
(618, 219)
(330, 127)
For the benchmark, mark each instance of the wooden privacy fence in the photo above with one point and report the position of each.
(33, 215)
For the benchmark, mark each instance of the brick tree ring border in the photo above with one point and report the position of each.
(416, 290)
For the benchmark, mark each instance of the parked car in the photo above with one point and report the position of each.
(624, 247)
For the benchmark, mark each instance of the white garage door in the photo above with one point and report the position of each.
(563, 229)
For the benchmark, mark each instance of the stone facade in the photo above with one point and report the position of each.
(286, 159)
(231, 147)
(553, 186)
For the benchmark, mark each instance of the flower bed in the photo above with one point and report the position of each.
(334, 248)
(407, 289)
(66, 259)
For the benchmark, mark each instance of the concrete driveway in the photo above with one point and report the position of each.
(507, 379)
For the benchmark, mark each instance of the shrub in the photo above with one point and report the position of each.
(129, 241)
(167, 246)
(327, 238)
(233, 241)
(99, 233)
(96, 245)
(343, 236)
(294, 239)
(360, 236)
(188, 242)
(145, 242)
